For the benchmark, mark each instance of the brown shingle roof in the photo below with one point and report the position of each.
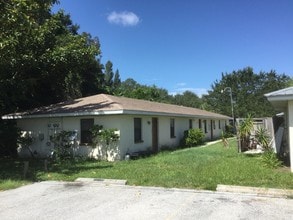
(108, 104)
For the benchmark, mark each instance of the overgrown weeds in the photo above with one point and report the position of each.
(270, 159)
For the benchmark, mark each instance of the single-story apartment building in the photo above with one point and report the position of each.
(140, 124)
(282, 100)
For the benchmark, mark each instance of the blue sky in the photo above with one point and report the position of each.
(183, 45)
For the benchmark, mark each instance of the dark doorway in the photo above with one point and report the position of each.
(155, 137)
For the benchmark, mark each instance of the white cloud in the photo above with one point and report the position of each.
(123, 18)
(181, 84)
(197, 91)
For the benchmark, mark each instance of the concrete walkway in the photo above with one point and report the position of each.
(97, 199)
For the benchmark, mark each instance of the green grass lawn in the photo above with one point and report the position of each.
(198, 167)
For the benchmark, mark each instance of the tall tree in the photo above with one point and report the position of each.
(130, 88)
(116, 80)
(188, 99)
(111, 81)
(43, 59)
(108, 75)
(247, 89)
(91, 72)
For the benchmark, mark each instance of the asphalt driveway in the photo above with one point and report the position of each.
(92, 200)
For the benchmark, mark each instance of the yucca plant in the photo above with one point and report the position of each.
(269, 158)
(263, 139)
(244, 131)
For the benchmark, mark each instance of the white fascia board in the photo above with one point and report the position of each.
(116, 112)
(280, 98)
(131, 112)
(282, 92)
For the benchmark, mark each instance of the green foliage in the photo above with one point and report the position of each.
(108, 76)
(63, 145)
(228, 132)
(263, 138)
(290, 82)
(105, 140)
(200, 168)
(193, 137)
(269, 159)
(246, 127)
(104, 136)
(248, 89)
(111, 81)
(116, 80)
(25, 139)
(12, 183)
(42, 55)
(131, 89)
(188, 99)
(244, 131)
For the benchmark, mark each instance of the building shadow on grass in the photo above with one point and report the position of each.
(31, 169)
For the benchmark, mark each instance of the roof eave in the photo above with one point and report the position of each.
(110, 112)
(57, 115)
(282, 92)
(280, 98)
(133, 112)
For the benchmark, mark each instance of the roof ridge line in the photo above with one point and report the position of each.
(110, 98)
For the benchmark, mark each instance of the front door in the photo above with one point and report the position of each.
(212, 130)
(155, 137)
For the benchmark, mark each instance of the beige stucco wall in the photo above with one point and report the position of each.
(125, 125)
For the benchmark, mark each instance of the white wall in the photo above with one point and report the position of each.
(125, 125)
(181, 124)
(39, 130)
(290, 129)
(217, 131)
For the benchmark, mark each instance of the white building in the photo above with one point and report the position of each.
(282, 100)
(141, 124)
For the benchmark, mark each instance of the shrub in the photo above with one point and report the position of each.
(263, 138)
(229, 131)
(193, 137)
(244, 132)
(106, 138)
(25, 140)
(270, 159)
(64, 142)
